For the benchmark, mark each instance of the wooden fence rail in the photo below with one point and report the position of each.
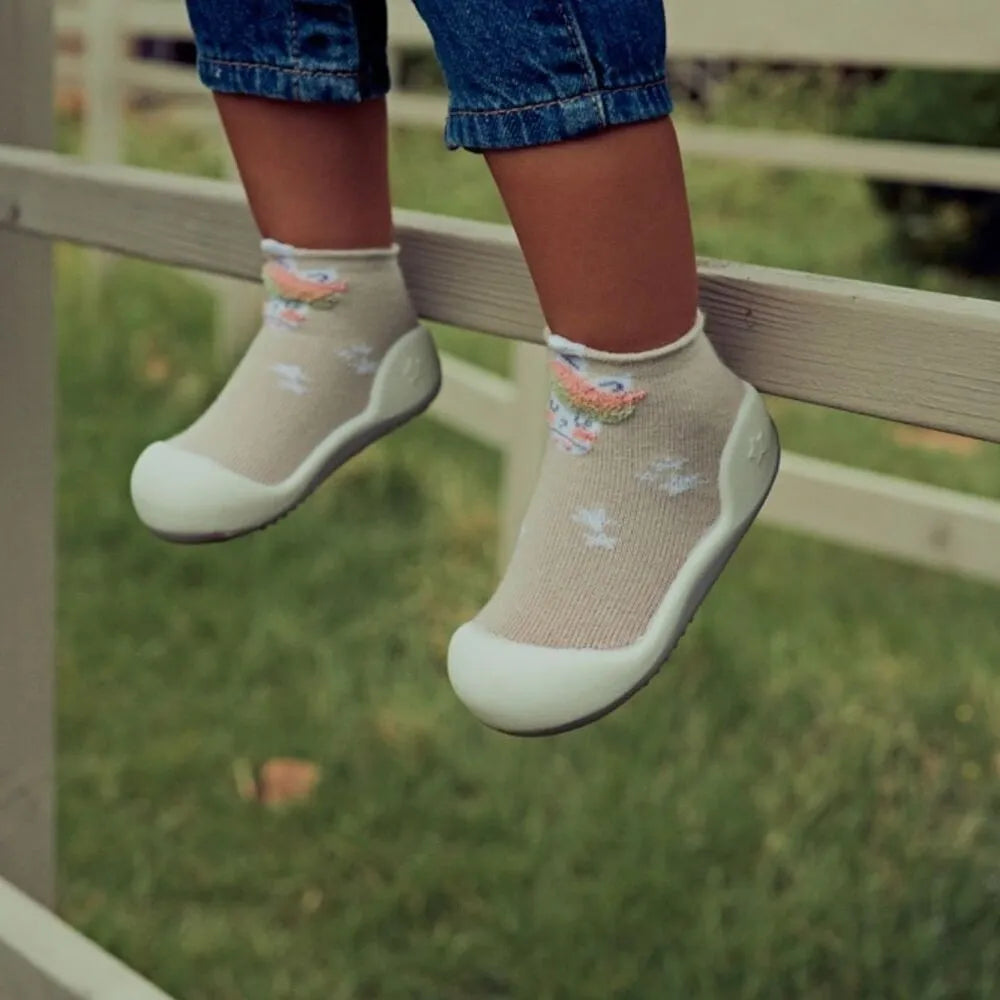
(917, 357)
(41, 958)
(914, 356)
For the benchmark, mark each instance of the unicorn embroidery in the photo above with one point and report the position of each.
(293, 292)
(580, 406)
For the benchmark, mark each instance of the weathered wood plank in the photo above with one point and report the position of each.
(38, 948)
(916, 357)
(921, 163)
(911, 521)
(27, 462)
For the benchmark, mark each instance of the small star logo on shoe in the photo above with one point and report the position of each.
(291, 378)
(758, 448)
(595, 523)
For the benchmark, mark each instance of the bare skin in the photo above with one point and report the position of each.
(603, 222)
(602, 219)
(316, 175)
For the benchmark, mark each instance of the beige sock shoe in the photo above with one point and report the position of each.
(340, 361)
(656, 466)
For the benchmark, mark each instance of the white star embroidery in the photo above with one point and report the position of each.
(595, 522)
(291, 378)
(665, 474)
(359, 358)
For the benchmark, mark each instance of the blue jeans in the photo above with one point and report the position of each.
(519, 72)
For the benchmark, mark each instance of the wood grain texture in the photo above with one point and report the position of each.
(926, 525)
(27, 463)
(917, 357)
(41, 957)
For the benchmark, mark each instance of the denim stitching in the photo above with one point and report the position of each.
(563, 100)
(209, 60)
(573, 27)
(292, 35)
(361, 63)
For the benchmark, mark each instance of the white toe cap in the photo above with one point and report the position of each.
(524, 689)
(182, 495)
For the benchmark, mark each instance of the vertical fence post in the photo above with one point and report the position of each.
(526, 443)
(27, 445)
(103, 41)
(103, 80)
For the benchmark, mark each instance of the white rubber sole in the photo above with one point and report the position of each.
(527, 690)
(188, 498)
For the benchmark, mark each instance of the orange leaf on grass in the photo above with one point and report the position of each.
(276, 782)
(285, 779)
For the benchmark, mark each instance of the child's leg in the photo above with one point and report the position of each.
(316, 175)
(604, 224)
(659, 456)
(341, 358)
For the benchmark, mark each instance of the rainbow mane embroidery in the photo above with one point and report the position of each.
(607, 405)
(581, 404)
(283, 283)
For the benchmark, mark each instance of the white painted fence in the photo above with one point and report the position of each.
(918, 357)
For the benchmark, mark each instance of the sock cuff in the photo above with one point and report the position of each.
(275, 248)
(564, 346)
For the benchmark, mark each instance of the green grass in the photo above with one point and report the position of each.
(805, 804)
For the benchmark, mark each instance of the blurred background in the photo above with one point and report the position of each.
(266, 787)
